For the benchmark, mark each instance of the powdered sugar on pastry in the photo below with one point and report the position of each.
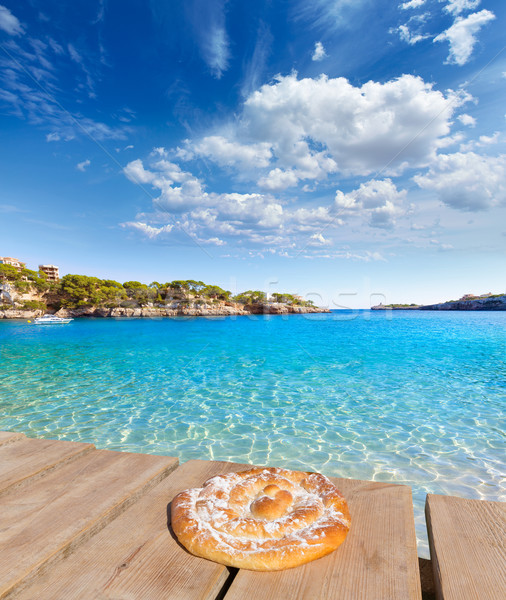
(263, 519)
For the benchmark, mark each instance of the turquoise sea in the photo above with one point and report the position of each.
(408, 397)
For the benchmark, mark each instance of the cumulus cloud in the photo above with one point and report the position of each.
(212, 218)
(466, 119)
(455, 7)
(467, 181)
(136, 172)
(83, 165)
(307, 129)
(317, 238)
(319, 126)
(228, 153)
(9, 23)
(148, 230)
(378, 201)
(319, 52)
(412, 4)
(278, 179)
(291, 130)
(409, 36)
(462, 35)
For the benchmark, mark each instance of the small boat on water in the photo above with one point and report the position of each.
(51, 320)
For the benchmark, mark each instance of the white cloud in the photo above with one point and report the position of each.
(462, 35)
(485, 140)
(9, 23)
(410, 37)
(228, 153)
(148, 230)
(82, 166)
(466, 119)
(412, 4)
(160, 151)
(467, 181)
(208, 17)
(319, 52)
(53, 137)
(482, 142)
(329, 15)
(135, 172)
(74, 54)
(319, 126)
(378, 201)
(252, 218)
(277, 180)
(292, 130)
(254, 68)
(216, 50)
(318, 238)
(455, 7)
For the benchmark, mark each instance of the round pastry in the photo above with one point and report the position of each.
(263, 519)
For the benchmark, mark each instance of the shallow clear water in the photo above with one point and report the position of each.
(408, 397)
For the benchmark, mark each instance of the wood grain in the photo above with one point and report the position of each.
(378, 560)
(29, 458)
(467, 540)
(43, 521)
(137, 556)
(6, 437)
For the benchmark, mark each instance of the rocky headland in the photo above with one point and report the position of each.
(467, 302)
(96, 298)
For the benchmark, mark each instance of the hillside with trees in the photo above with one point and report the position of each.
(25, 293)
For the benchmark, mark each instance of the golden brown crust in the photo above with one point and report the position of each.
(263, 519)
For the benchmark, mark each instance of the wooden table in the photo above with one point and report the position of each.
(96, 525)
(467, 541)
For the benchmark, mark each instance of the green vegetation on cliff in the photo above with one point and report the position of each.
(76, 291)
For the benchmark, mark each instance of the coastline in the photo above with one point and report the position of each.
(175, 310)
(477, 303)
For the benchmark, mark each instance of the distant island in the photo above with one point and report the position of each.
(467, 302)
(27, 294)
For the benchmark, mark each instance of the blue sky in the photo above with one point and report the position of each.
(352, 151)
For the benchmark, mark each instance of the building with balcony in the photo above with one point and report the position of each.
(13, 262)
(51, 272)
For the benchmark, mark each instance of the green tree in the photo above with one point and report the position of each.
(251, 297)
(215, 291)
(9, 273)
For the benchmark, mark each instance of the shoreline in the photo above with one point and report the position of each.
(159, 312)
(493, 303)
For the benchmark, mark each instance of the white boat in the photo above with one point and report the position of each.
(51, 320)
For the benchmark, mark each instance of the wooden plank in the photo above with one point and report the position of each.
(467, 540)
(43, 521)
(378, 560)
(6, 437)
(137, 556)
(30, 458)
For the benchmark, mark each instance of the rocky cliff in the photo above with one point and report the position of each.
(496, 302)
(12, 309)
(491, 303)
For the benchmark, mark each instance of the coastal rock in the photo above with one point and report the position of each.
(469, 302)
(187, 307)
(491, 303)
(14, 313)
